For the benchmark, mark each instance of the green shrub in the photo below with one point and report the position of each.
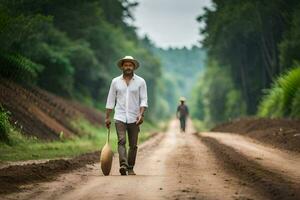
(290, 83)
(216, 99)
(19, 68)
(295, 107)
(272, 103)
(235, 106)
(4, 126)
(281, 99)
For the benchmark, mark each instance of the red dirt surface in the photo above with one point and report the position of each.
(281, 133)
(171, 165)
(41, 114)
(12, 177)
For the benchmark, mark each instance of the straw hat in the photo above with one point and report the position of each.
(130, 59)
(182, 99)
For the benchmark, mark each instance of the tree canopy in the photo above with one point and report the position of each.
(71, 47)
(253, 41)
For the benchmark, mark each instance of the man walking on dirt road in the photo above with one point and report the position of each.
(128, 95)
(182, 113)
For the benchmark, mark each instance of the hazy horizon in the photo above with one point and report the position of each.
(170, 24)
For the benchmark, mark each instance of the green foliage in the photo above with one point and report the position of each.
(250, 37)
(289, 83)
(88, 72)
(290, 46)
(295, 108)
(217, 86)
(200, 125)
(70, 48)
(4, 126)
(235, 105)
(16, 29)
(272, 103)
(281, 99)
(180, 69)
(57, 76)
(24, 148)
(168, 96)
(197, 109)
(19, 68)
(216, 100)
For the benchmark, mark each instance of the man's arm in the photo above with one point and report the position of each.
(143, 104)
(107, 118)
(140, 118)
(143, 95)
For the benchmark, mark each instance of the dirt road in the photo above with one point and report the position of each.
(176, 165)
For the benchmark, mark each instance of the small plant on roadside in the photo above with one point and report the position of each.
(61, 135)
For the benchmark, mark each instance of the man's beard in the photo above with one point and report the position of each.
(128, 71)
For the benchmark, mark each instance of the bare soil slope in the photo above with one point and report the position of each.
(42, 114)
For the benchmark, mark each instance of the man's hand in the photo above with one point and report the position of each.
(107, 123)
(140, 119)
(107, 118)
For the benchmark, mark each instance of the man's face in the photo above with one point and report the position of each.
(128, 67)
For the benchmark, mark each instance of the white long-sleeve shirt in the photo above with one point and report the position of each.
(127, 99)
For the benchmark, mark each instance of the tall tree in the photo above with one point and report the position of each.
(244, 35)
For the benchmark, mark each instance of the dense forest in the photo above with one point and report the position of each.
(70, 48)
(180, 69)
(249, 45)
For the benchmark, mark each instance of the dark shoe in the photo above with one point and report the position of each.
(131, 172)
(123, 170)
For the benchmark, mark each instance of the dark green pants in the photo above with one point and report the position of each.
(182, 123)
(133, 132)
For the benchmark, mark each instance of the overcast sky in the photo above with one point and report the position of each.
(170, 22)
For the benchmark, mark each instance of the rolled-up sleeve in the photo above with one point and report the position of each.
(111, 98)
(143, 95)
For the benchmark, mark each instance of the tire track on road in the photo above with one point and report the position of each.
(273, 185)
